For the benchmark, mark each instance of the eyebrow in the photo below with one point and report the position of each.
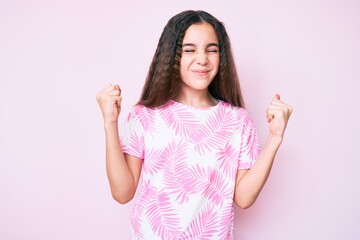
(193, 45)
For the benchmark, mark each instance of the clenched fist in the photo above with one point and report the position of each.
(109, 100)
(278, 114)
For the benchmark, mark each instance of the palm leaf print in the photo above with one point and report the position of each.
(216, 130)
(217, 188)
(162, 217)
(226, 223)
(183, 122)
(205, 226)
(153, 162)
(206, 181)
(136, 145)
(250, 147)
(137, 212)
(227, 159)
(175, 157)
(146, 116)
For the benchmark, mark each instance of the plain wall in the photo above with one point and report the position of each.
(55, 56)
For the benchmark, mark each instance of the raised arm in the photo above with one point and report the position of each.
(123, 171)
(250, 182)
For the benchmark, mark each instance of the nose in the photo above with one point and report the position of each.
(201, 58)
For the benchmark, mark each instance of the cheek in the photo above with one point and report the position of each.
(217, 60)
(184, 64)
(214, 59)
(182, 69)
(216, 63)
(184, 61)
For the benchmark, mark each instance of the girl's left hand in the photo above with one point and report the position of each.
(278, 114)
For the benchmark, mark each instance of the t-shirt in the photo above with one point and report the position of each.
(191, 157)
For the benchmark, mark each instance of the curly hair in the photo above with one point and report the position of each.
(163, 80)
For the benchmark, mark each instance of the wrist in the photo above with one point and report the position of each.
(110, 124)
(274, 140)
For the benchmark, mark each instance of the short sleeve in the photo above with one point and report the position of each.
(250, 146)
(132, 135)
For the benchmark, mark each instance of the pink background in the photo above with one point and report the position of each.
(55, 56)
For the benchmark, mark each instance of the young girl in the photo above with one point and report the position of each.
(189, 136)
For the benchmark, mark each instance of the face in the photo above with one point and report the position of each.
(200, 57)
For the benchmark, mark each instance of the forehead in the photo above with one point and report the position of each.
(200, 32)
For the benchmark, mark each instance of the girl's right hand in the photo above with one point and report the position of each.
(109, 100)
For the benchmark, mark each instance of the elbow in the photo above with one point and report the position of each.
(245, 205)
(245, 202)
(122, 198)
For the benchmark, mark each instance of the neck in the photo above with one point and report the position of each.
(201, 99)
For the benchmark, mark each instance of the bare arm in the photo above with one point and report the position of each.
(250, 182)
(123, 171)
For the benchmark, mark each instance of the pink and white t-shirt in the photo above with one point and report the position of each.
(191, 157)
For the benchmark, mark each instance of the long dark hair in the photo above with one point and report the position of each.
(163, 80)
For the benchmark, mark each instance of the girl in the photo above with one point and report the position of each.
(189, 136)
